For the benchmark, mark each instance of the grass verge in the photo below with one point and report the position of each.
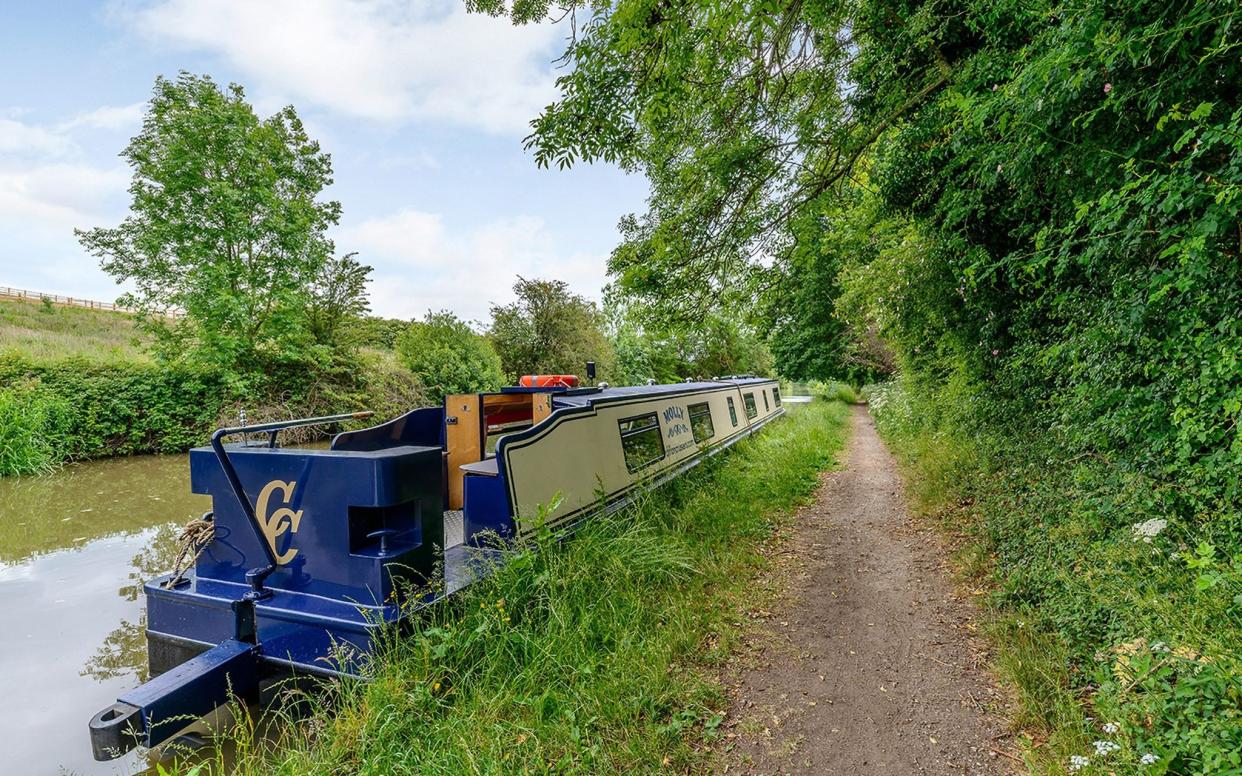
(595, 655)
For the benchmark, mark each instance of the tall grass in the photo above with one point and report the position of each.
(592, 655)
(31, 431)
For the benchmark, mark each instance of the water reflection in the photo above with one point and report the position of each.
(124, 650)
(85, 501)
(75, 549)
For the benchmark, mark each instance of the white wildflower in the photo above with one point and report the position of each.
(1149, 759)
(1105, 748)
(1111, 727)
(1148, 529)
(1078, 762)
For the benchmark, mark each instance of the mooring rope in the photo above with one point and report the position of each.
(194, 538)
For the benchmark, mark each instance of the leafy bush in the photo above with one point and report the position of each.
(447, 357)
(123, 408)
(1173, 705)
(73, 409)
(834, 391)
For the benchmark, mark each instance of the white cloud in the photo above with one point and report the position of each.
(420, 265)
(416, 239)
(387, 60)
(108, 117)
(46, 183)
(21, 139)
(49, 185)
(60, 196)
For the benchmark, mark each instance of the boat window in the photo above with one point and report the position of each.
(701, 422)
(776, 394)
(642, 441)
(766, 407)
(732, 411)
(752, 409)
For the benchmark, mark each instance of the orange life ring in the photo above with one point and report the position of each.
(549, 381)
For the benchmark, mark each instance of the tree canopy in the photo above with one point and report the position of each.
(447, 357)
(1068, 175)
(549, 330)
(649, 348)
(227, 230)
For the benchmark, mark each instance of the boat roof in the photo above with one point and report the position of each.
(583, 398)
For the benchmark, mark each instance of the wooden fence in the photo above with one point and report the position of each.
(8, 292)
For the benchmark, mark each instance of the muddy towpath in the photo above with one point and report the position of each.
(868, 662)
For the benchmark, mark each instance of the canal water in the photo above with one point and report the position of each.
(75, 549)
(799, 393)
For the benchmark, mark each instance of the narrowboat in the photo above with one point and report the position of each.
(308, 553)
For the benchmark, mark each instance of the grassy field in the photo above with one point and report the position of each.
(48, 332)
(595, 655)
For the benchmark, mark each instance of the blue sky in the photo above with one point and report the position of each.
(422, 106)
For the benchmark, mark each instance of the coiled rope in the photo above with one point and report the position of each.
(194, 538)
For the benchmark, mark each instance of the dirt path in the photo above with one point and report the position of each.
(868, 665)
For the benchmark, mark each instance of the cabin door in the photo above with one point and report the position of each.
(464, 440)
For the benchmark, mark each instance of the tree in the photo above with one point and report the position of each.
(225, 226)
(649, 347)
(813, 333)
(736, 114)
(549, 330)
(337, 302)
(447, 357)
(381, 332)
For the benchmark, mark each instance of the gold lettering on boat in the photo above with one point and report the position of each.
(283, 519)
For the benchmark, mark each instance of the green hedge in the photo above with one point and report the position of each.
(75, 409)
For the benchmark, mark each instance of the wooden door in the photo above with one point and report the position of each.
(464, 440)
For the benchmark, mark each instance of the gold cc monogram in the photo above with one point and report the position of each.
(283, 519)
